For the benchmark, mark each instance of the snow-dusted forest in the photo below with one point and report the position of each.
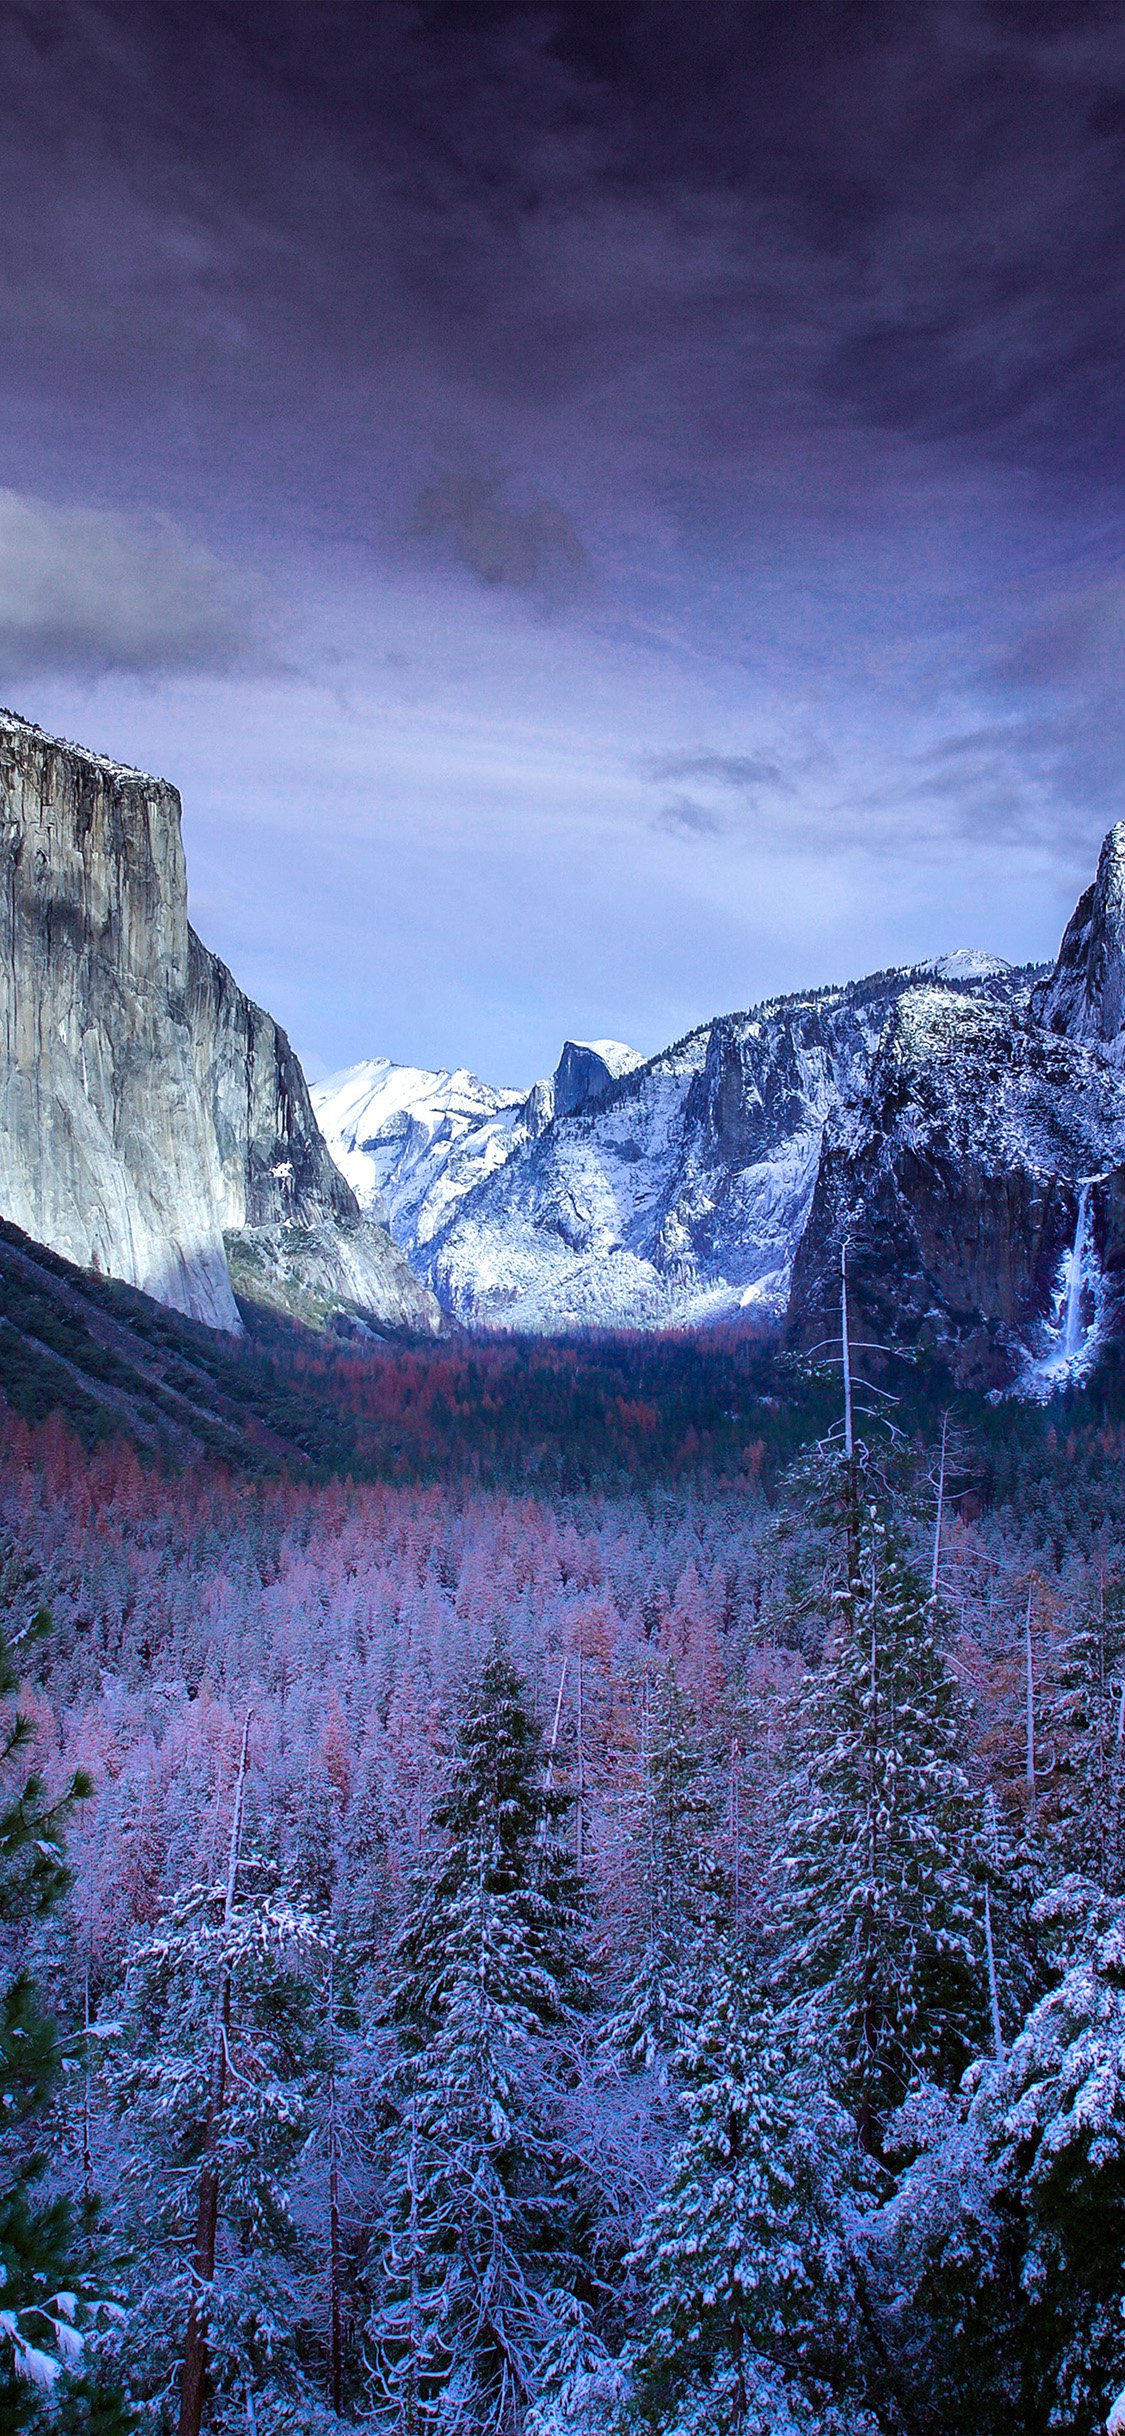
(635, 1959)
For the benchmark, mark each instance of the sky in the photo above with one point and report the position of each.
(605, 513)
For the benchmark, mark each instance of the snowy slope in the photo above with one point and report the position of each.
(683, 1191)
(412, 1142)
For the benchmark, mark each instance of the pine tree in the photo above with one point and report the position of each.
(482, 2206)
(676, 1894)
(881, 1910)
(1005, 2245)
(752, 2320)
(217, 2067)
(1085, 1732)
(44, 2262)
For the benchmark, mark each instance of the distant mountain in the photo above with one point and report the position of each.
(959, 1125)
(414, 1143)
(154, 1123)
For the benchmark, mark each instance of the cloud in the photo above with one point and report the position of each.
(734, 788)
(686, 818)
(83, 591)
(744, 772)
(498, 541)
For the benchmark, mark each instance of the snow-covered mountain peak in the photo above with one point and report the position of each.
(412, 1139)
(616, 1054)
(968, 964)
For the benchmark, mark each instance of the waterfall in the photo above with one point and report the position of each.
(1076, 1263)
(1071, 1336)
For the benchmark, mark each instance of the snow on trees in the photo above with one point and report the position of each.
(482, 2210)
(880, 1918)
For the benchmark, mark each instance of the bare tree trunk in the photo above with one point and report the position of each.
(579, 1827)
(87, 2160)
(849, 1428)
(846, 1355)
(935, 1568)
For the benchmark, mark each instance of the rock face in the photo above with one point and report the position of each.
(586, 1069)
(1084, 997)
(954, 1180)
(274, 1167)
(415, 1144)
(106, 1154)
(148, 1107)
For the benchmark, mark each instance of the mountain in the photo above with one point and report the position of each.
(959, 1125)
(676, 1191)
(414, 1143)
(148, 1109)
(1084, 997)
(955, 1181)
(978, 1181)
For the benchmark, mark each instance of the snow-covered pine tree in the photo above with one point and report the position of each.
(44, 2257)
(881, 1900)
(482, 2207)
(752, 2320)
(1084, 1810)
(1004, 2247)
(216, 2069)
(676, 1897)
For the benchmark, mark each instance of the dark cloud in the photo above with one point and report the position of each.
(496, 539)
(83, 591)
(682, 816)
(705, 238)
(746, 773)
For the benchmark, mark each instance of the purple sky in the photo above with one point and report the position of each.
(604, 511)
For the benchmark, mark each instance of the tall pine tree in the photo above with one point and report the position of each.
(218, 2066)
(885, 1863)
(675, 1894)
(45, 2262)
(482, 2206)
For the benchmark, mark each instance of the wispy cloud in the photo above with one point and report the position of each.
(83, 591)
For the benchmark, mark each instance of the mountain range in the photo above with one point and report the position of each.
(954, 1129)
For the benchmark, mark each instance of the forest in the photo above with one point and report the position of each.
(596, 1908)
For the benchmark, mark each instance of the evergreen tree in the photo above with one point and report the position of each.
(752, 2318)
(216, 2074)
(1085, 1732)
(1004, 2249)
(881, 1910)
(482, 2207)
(45, 2295)
(676, 1895)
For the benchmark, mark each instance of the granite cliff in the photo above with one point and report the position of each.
(152, 1118)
